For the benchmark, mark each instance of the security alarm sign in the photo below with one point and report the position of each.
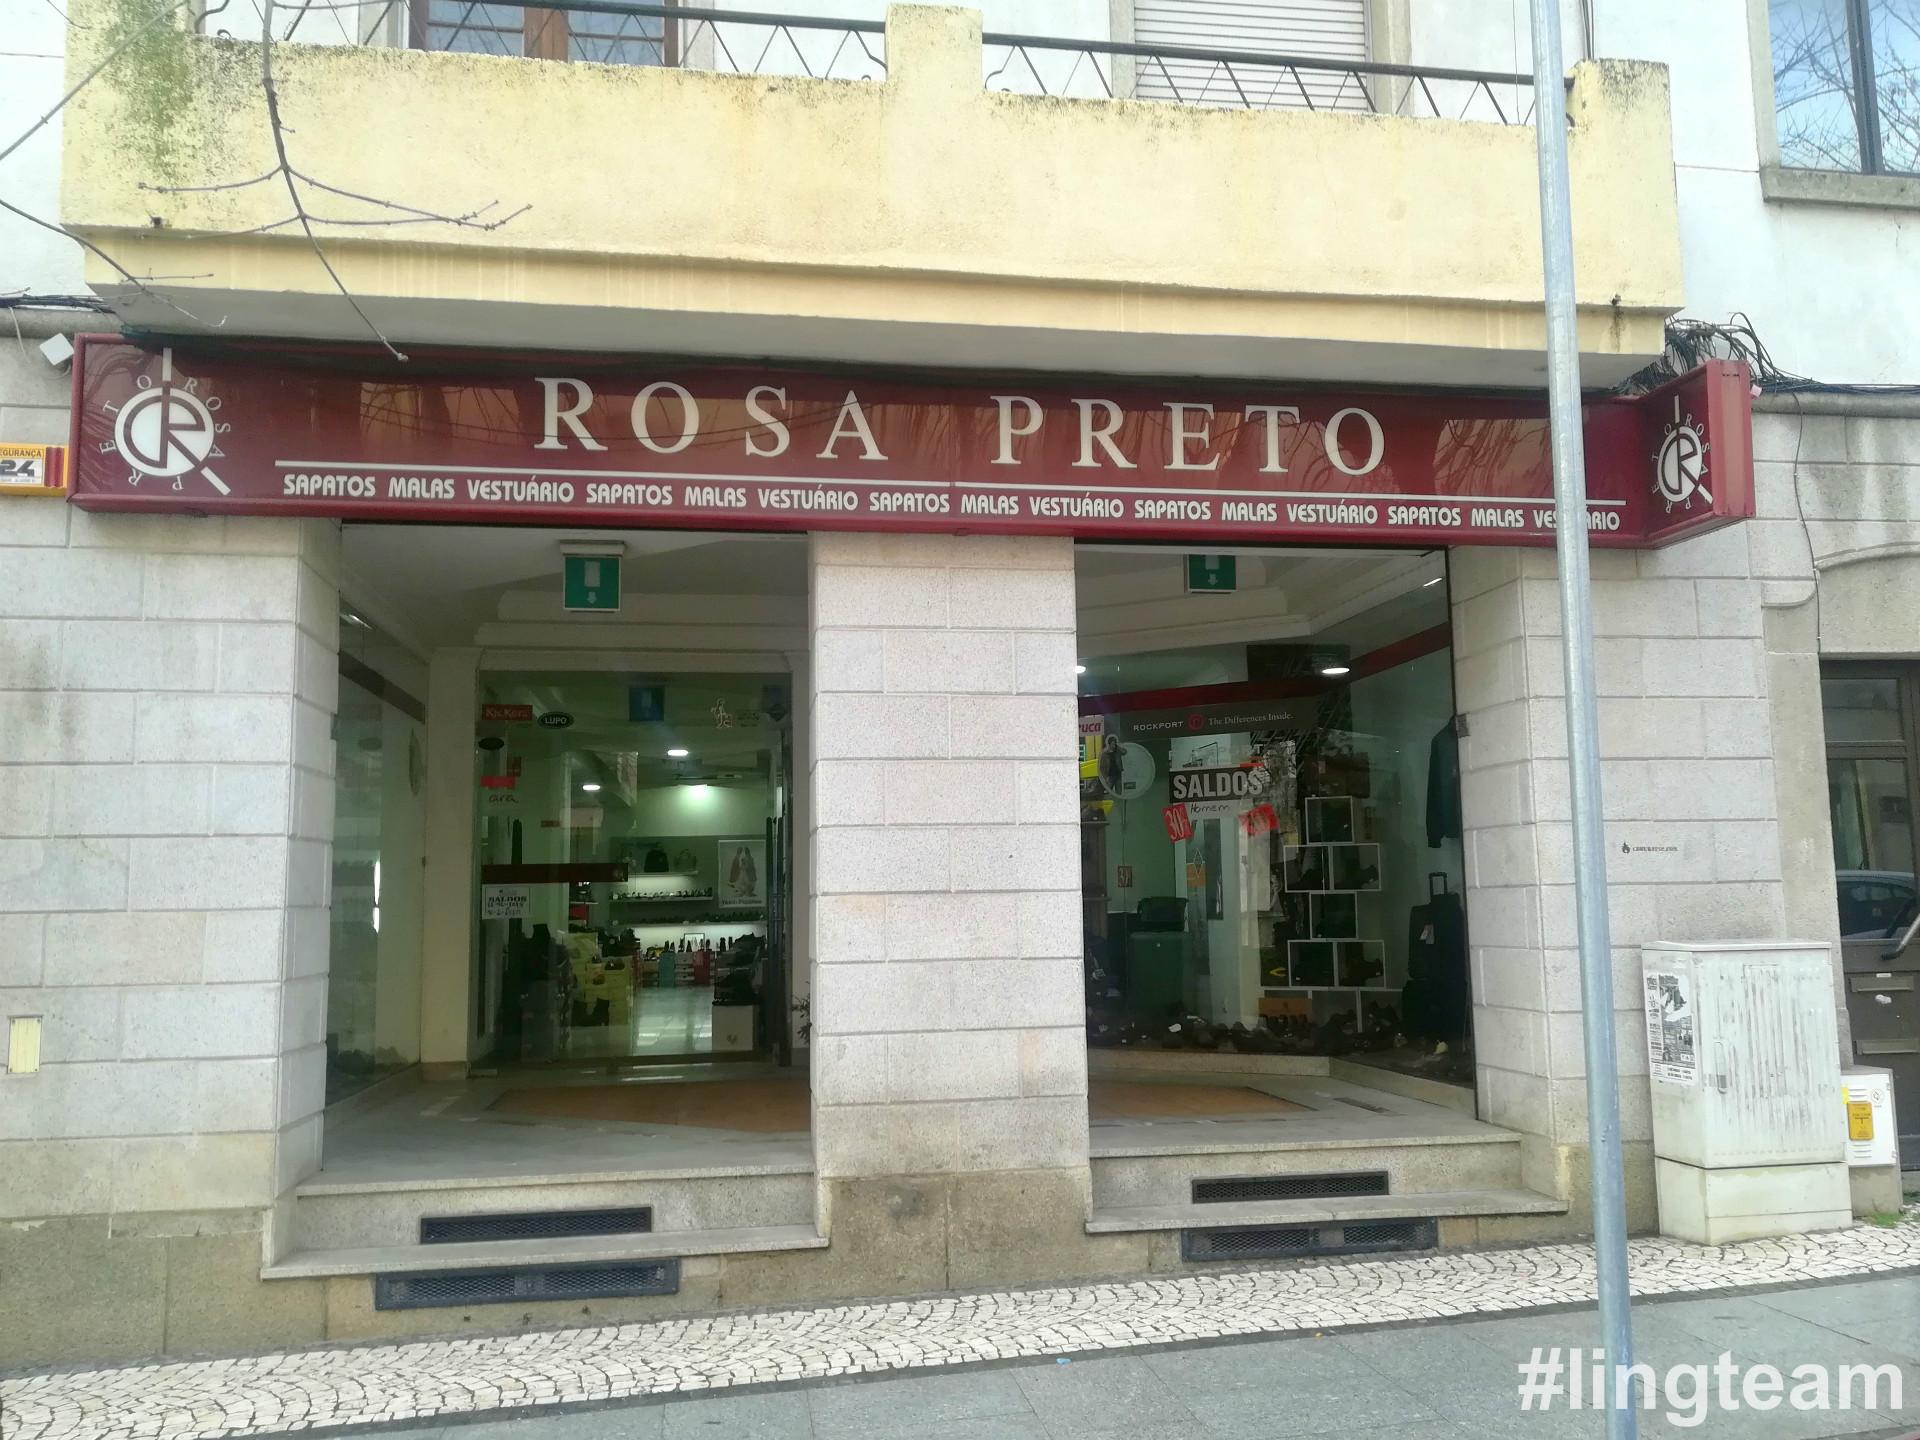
(33, 469)
(623, 441)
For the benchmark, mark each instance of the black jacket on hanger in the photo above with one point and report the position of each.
(1443, 785)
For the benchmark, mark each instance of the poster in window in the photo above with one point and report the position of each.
(743, 874)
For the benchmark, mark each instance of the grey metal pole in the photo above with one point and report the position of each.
(1583, 747)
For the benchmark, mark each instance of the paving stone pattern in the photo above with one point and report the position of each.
(375, 1384)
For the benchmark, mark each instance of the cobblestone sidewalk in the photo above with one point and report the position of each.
(202, 1400)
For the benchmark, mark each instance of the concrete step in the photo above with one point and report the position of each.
(1484, 1160)
(585, 1249)
(1434, 1204)
(331, 1216)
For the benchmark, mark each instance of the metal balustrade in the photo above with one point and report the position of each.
(751, 42)
(1252, 79)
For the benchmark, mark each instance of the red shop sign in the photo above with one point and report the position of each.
(580, 441)
(1179, 823)
(509, 713)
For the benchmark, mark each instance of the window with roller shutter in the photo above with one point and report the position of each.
(1330, 30)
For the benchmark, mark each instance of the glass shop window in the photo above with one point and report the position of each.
(1271, 852)
(379, 823)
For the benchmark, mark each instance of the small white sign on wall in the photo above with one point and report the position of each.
(505, 902)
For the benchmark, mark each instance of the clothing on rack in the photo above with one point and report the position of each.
(1443, 785)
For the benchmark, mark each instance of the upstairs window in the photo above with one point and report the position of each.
(1331, 31)
(1846, 84)
(482, 28)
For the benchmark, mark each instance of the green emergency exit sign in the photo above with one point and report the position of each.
(1212, 574)
(592, 582)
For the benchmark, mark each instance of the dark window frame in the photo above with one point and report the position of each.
(1906, 748)
(547, 34)
(1864, 98)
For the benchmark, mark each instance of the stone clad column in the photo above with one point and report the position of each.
(167, 686)
(1693, 840)
(948, 1045)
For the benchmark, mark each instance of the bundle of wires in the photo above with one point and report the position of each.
(1690, 343)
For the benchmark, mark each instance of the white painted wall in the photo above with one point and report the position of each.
(1829, 288)
(32, 42)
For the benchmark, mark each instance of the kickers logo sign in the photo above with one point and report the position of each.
(168, 430)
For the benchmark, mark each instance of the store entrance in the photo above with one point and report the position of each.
(562, 929)
(632, 864)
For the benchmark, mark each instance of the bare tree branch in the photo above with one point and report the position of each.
(295, 181)
(132, 279)
(293, 186)
(208, 189)
(467, 221)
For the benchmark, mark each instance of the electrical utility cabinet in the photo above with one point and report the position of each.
(1749, 1112)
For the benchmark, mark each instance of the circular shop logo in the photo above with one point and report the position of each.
(168, 430)
(1680, 465)
(164, 432)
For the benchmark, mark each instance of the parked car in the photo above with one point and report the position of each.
(1875, 904)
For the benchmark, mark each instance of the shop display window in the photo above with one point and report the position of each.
(1271, 844)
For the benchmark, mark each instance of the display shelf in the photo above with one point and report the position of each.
(735, 922)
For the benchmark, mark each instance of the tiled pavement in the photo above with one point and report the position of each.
(1455, 1381)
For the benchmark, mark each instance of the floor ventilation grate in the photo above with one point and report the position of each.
(1228, 1189)
(1288, 1242)
(437, 1289)
(535, 1225)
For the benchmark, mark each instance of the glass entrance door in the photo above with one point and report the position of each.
(1872, 715)
(626, 879)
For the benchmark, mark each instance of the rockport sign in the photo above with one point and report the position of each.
(585, 441)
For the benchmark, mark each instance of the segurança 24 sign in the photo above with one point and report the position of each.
(620, 442)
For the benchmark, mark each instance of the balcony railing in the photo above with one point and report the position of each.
(1252, 79)
(749, 42)
(614, 32)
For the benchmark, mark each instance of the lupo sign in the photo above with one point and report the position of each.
(579, 441)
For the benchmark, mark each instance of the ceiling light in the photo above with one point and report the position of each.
(1333, 670)
(1079, 669)
(676, 754)
(590, 787)
(1434, 581)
